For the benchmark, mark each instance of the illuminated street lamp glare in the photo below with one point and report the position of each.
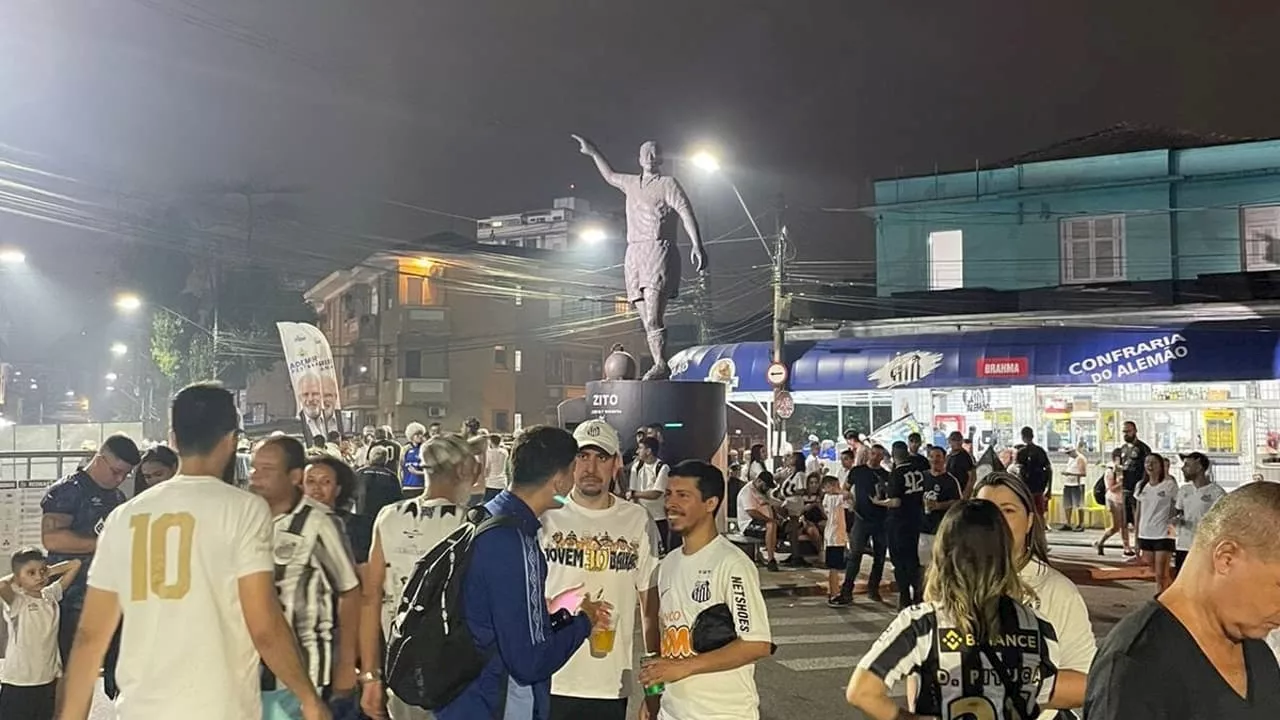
(119, 349)
(128, 302)
(112, 377)
(594, 235)
(706, 161)
(12, 257)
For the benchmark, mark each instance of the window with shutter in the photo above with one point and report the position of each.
(1260, 229)
(1093, 249)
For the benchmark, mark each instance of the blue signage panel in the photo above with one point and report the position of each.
(1064, 356)
(740, 366)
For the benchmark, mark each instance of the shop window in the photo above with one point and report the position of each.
(1093, 249)
(946, 260)
(1260, 231)
(500, 357)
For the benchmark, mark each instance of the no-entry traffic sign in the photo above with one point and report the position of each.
(776, 374)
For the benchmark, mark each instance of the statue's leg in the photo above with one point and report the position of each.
(652, 313)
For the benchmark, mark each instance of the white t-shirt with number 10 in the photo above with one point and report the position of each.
(687, 585)
(173, 556)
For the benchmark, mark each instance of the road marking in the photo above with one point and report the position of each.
(837, 662)
(825, 639)
(815, 620)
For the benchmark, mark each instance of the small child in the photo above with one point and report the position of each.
(835, 534)
(32, 664)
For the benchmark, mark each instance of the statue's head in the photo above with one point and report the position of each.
(650, 156)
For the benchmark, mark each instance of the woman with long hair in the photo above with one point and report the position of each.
(1113, 480)
(755, 463)
(1156, 495)
(1052, 594)
(158, 464)
(973, 627)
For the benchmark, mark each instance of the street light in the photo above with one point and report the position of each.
(71, 393)
(112, 377)
(119, 349)
(12, 257)
(705, 161)
(128, 302)
(593, 235)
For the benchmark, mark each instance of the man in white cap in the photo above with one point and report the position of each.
(599, 546)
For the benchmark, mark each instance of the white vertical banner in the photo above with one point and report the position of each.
(314, 378)
(5, 372)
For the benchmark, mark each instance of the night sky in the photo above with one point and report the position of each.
(464, 106)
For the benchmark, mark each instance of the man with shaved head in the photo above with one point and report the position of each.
(1197, 651)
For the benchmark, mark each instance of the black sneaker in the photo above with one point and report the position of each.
(875, 598)
(839, 601)
(772, 566)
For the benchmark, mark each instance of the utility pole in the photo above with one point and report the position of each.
(779, 302)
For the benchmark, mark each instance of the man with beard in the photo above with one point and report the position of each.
(75, 509)
(311, 398)
(314, 574)
(595, 683)
(187, 567)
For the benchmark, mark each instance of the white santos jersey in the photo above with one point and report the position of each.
(957, 679)
(173, 556)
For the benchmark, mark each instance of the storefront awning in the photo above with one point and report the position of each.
(741, 365)
(1198, 352)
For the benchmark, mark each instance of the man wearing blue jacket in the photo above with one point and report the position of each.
(505, 596)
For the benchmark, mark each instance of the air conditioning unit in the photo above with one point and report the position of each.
(436, 411)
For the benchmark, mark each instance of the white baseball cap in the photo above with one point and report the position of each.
(599, 434)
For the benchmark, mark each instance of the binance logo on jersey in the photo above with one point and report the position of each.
(952, 639)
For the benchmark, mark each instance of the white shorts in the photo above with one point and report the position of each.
(925, 550)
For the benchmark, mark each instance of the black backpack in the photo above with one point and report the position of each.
(431, 656)
(1100, 491)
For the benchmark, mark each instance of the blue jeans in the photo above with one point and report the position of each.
(280, 705)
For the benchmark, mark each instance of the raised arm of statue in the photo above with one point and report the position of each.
(680, 202)
(606, 171)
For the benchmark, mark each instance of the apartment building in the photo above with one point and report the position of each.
(459, 329)
(568, 223)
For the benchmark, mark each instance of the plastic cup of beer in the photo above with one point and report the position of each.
(602, 637)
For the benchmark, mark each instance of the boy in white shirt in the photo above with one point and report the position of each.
(32, 663)
(834, 533)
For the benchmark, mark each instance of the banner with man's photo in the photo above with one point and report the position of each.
(314, 378)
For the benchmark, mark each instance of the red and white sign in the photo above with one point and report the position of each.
(776, 374)
(784, 406)
(1003, 367)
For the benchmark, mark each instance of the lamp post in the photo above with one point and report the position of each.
(707, 162)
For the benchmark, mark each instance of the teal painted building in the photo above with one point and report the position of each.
(1125, 205)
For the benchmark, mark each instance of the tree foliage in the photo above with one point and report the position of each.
(207, 268)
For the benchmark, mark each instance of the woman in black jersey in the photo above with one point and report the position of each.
(979, 651)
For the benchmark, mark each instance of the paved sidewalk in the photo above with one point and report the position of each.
(1072, 553)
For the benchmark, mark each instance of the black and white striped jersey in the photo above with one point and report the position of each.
(957, 680)
(314, 565)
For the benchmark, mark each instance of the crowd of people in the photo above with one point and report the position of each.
(212, 591)
(280, 596)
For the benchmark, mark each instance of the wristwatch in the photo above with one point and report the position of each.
(369, 676)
